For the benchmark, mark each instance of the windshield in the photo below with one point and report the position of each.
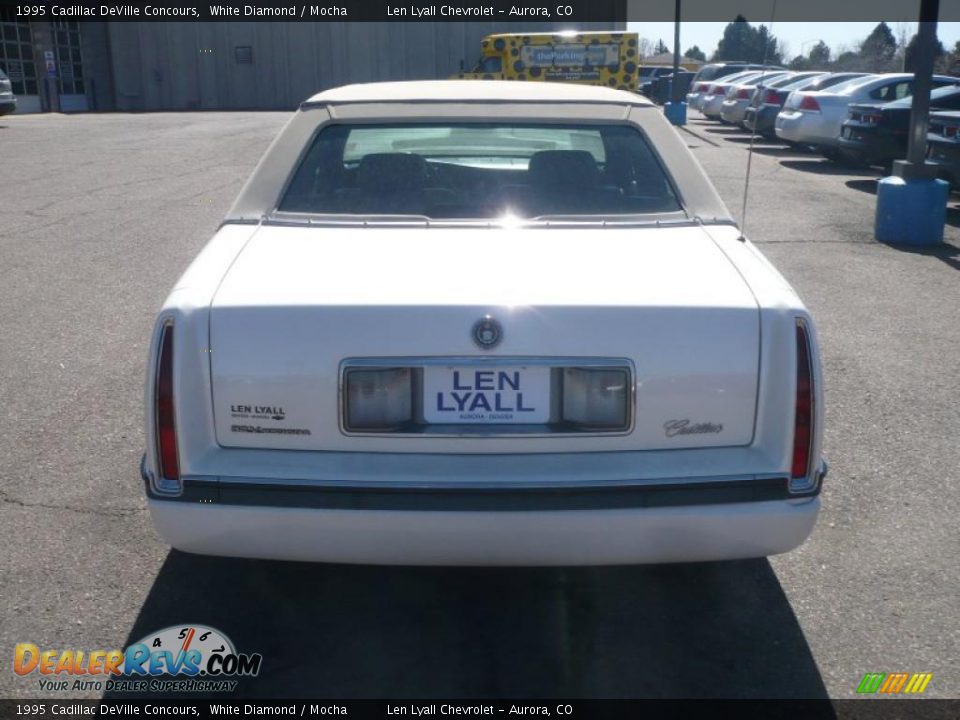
(489, 65)
(474, 171)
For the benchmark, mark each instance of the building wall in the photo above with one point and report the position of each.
(196, 66)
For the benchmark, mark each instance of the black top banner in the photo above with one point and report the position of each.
(505, 11)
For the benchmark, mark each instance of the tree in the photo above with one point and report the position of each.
(643, 47)
(660, 49)
(820, 55)
(879, 48)
(910, 54)
(767, 48)
(740, 41)
(735, 43)
(695, 53)
(799, 63)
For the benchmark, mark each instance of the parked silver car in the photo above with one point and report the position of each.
(815, 118)
(712, 100)
(8, 101)
(738, 96)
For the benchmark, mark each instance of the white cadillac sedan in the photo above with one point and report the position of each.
(485, 323)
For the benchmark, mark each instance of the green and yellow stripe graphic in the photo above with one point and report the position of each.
(894, 683)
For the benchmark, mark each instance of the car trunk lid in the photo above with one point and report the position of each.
(300, 301)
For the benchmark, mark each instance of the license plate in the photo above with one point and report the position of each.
(471, 395)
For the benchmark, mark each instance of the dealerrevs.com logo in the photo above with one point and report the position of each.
(181, 658)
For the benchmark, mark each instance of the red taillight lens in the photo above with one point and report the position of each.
(871, 119)
(809, 103)
(803, 415)
(703, 87)
(950, 131)
(743, 94)
(719, 90)
(169, 463)
(771, 98)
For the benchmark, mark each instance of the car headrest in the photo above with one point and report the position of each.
(563, 168)
(392, 171)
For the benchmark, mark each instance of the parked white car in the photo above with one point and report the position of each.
(737, 98)
(480, 322)
(711, 101)
(816, 117)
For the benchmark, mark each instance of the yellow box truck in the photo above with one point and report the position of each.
(590, 58)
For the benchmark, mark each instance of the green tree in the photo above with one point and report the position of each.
(741, 41)
(910, 57)
(661, 48)
(767, 48)
(879, 48)
(820, 55)
(695, 53)
(799, 63)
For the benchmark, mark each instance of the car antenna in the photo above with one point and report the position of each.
(753, 133)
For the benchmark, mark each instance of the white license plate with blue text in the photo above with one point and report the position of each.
(486, 395)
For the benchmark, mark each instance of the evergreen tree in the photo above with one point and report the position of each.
(740, 41)
(695, 53)
(660, 49)
(820, 55)
(879, 48)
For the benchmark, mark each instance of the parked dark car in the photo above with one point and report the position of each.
(876, 134)
(761, 116)
(649, 75)
(943, 146)
(8, 102)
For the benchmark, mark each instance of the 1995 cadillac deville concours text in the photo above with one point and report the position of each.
(482, 323)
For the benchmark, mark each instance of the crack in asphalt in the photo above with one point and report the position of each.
(122, 512)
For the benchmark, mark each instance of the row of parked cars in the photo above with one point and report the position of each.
(852, 117)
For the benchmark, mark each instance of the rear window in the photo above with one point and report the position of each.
(474, 171)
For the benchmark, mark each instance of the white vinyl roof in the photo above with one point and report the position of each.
(476, 90)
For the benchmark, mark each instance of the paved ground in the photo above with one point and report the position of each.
(99, 216)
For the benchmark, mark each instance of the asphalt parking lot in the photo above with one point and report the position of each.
(100, 214)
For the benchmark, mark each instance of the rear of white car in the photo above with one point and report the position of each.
(816, 118)
(738, 96)
(522, 390)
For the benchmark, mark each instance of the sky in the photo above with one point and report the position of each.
(796, 35)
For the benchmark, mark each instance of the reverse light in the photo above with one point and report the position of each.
(378, 400)
(596, 397)
(168, 461)
(804, 410)
(809, 104)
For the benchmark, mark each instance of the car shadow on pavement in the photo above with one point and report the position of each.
(340, 631)
(822, 166)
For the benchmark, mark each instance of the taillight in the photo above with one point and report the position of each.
(809, 103)
(703, 87)
(771, 98)
(743, 94)
(951, 131)
(719, 90)
(804, 413)
(167, 456)
(870, 119)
